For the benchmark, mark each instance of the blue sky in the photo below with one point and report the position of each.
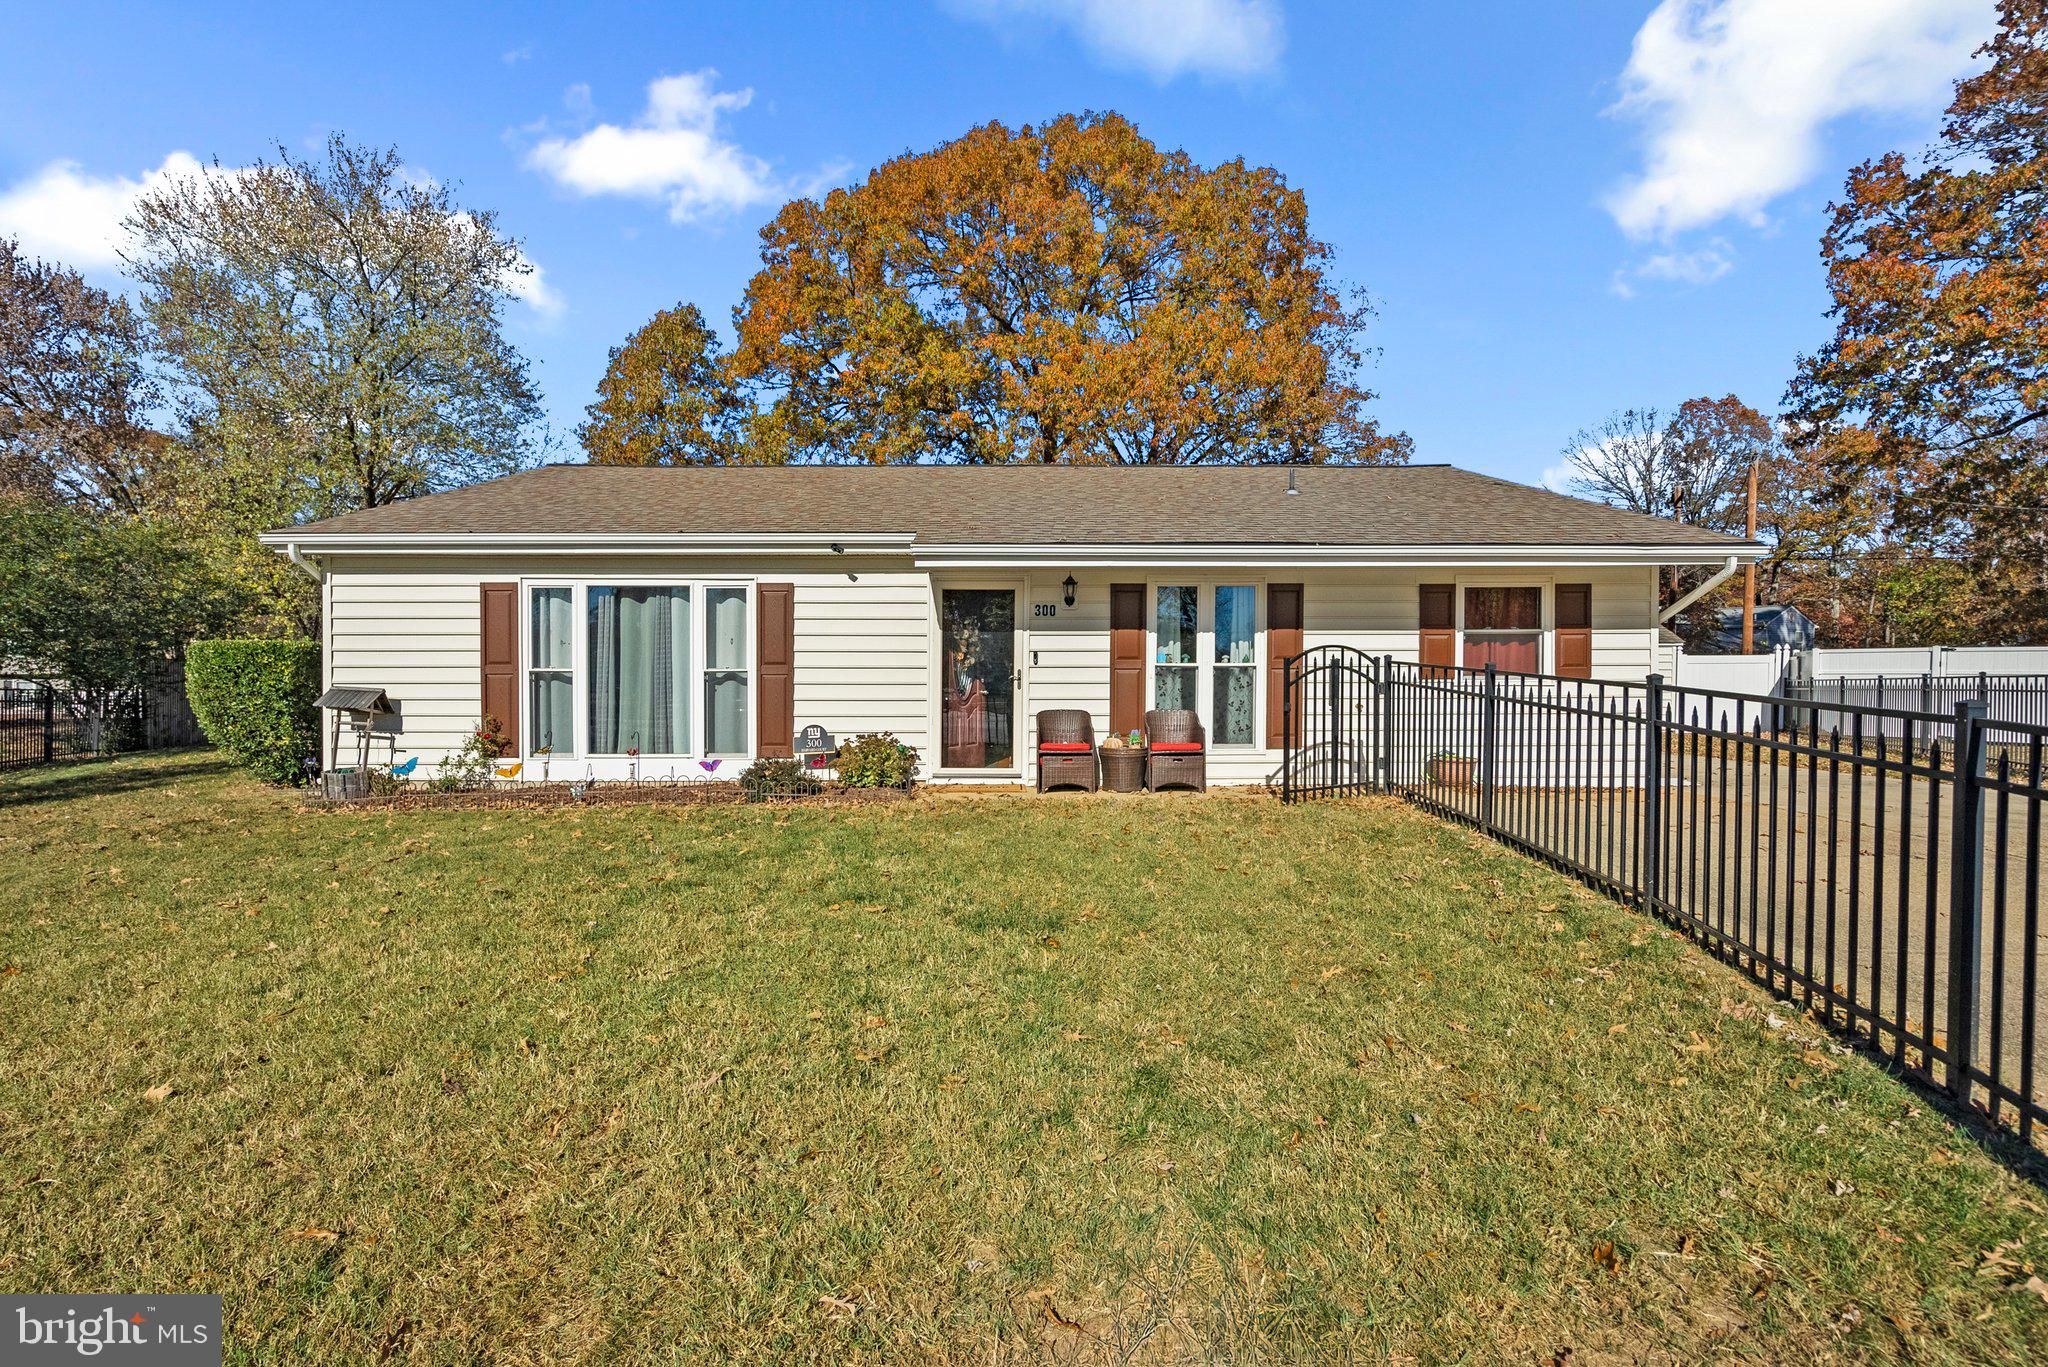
(1561, 209)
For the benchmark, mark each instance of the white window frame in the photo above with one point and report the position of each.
(1205, 586)
(1546, 612)
(573, 761)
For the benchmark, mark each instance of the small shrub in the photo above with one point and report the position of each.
(771, 778)
(254, 699)
(471, 764)
(876, 761)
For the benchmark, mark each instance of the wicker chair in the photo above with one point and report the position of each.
(1180, 751)
(1066, 750)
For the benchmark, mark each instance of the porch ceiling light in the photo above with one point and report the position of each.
(1069, 585)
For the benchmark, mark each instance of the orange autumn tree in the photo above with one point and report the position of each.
(1939, 273)
(1063, 293)
(665, 398)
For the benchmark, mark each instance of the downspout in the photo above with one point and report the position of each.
(1725, 573)
(306, 567)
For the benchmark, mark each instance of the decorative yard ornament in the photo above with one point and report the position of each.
(405, 770)
(508, 770)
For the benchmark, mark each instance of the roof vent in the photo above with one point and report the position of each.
(1290, 481)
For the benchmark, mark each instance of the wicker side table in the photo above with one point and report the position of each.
(1123, 769)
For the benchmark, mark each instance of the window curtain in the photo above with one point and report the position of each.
(552, 727)
(1237, 651)
(639, 665)
(725, 673)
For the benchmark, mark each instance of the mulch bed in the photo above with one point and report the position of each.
(619, 793)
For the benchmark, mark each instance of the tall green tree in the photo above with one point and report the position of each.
(103, 602)
(335, 326)
(1938, 269)
(75, 389)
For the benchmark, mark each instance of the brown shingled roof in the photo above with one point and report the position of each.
(1031, 504)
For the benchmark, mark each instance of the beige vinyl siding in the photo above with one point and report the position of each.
(863, 654)
(411, 628)
(1374, 610)
(863, 644)
(409, 625)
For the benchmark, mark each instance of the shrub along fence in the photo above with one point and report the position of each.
(1881, 866)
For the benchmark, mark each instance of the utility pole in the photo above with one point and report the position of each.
(1749, 573)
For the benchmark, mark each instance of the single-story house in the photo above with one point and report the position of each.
(1777, 627)
(629, 620)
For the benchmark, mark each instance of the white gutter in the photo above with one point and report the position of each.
(306, 567)
(1702, 591)
(998, 556)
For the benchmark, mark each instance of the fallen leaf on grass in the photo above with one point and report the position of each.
(2037, 1286)
(160, 1092)
(1605, 1256)
(708, 1083)
(839, 1305)
(315, 1232)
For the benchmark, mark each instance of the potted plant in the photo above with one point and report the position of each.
(1451, 769)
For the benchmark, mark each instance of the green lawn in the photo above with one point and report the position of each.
(965, 1078)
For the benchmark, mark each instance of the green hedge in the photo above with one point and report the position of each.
(254, 699)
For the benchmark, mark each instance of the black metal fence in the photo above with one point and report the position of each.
(37, 725)
(1881, 866)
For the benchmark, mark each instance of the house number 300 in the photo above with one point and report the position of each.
(1045, 609)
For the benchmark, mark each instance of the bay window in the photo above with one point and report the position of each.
(622, 670)
(1205, 656)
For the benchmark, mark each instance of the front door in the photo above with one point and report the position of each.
(979, 678)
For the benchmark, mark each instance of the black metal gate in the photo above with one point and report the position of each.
(1332, 713)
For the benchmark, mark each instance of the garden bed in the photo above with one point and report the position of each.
(603, 793)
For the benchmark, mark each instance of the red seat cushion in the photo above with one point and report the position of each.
(1177, 747)
(1065, 747)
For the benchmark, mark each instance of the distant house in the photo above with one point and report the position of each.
(700, 616)
(1779, 627)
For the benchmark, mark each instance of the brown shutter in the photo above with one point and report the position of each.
(1575, 630)
(774, 672)
(1436, 645)
(1126, 657)
(1283, 638)
(498, 617)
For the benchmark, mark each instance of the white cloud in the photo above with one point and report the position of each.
(1701, 266)
(1734, 95)
(1561, 478)
(676, 151)
(532, 288)
(1163, 38)
(63, 214)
